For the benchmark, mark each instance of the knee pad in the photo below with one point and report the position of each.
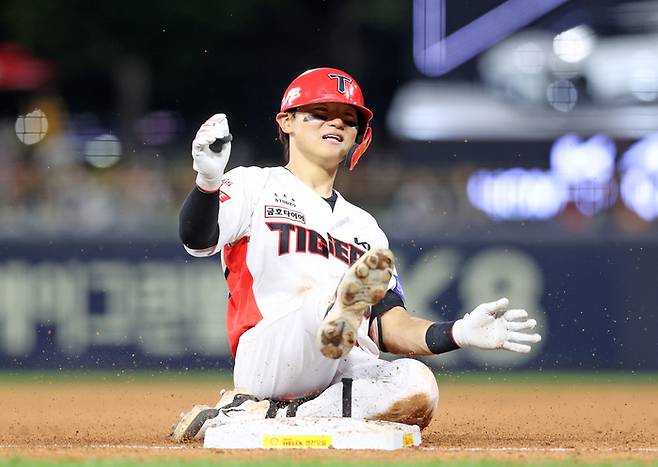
(419, 377)
(420, 393)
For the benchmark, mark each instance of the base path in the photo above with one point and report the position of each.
(83, 418)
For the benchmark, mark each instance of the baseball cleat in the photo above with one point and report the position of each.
(232, 405)
(364, 284)
(192, 421)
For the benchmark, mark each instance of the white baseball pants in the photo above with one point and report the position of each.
(279, 359)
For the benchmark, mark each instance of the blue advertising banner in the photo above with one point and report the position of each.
(125, 305)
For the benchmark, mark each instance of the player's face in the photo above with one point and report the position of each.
(324, 132)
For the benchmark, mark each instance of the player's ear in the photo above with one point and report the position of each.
(284, 119)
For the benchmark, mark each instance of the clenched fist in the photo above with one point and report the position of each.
(209, 164)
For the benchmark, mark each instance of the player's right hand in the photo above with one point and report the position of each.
(208, 164)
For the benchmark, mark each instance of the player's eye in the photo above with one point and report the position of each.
(314, 115)
(320, 115)
(324, 115)
(351, 122)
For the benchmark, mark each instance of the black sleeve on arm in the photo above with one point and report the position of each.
(197, 226)
(439, 337)
(390, 301)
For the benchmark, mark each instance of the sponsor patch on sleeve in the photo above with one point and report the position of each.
(223, 195)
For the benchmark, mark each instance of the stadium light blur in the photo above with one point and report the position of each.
(517, 194)
(624, 69)
(436, 54)
(581, 172)
(575, 44)
(562, 95)
(575, 161)
(643, 80)
(103, 151)
(529, 58)
(639, 178)
(425, 111)
(587, 168)
(32, 127)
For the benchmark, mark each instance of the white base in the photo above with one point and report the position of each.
(312, 433)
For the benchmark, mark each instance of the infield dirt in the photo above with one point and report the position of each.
(528, 421)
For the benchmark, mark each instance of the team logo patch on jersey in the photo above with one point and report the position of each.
(278, 212)
(223, 196)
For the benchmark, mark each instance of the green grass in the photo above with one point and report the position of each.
(103, 376)
(543, 377)
(281, 463)
(224, 377)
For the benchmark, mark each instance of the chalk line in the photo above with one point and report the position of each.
(422, 448)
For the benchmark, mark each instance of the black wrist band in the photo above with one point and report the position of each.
(439, 338)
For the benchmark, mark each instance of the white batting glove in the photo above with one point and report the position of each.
(210, 165)
(489, 326)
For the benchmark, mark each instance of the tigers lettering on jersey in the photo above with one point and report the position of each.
(310, 241)
(275, 233)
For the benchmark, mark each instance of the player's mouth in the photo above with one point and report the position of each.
(333, 137)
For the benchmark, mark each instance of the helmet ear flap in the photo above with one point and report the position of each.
(357, 150)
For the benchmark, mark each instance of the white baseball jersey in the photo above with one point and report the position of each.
(279, 241)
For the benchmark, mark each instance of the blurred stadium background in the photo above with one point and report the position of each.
(515, 153)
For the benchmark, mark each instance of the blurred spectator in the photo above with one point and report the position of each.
(49, 189)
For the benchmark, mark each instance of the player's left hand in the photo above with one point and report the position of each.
(492, 326)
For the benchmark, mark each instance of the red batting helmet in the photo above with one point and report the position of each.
(331, 85)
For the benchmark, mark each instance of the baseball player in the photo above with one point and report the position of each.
(314, 294)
